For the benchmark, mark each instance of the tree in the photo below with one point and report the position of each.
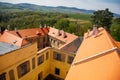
(115, 29)
(62, 24)
(103, 18)
(72, 27)
(115, 32)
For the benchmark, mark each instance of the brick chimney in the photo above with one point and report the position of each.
(59, 33)
(64, 34)
(2, 29)
(40, 26)
(95, 30)
(88, 34)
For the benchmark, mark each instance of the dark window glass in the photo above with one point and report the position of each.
(40, 59)
(40, 76)
(23, 69)
(58, 56)
(33, 63)
(47, 56)
(3, 76)
(70, 59)
(11, 74)
(57, 71)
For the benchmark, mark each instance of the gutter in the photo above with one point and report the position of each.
(90, 57)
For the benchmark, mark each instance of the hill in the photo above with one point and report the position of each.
(8, 7)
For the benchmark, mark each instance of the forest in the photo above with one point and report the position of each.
(77, 23)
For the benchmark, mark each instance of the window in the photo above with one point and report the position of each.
(40, 76)
(70, 59)
(58, 56)
(58, 43)
(57, 71)
(33, 63)
(23, 69)
(43, 39)
(40, 59)
(3, 76)
(11, 74)
(47, 56)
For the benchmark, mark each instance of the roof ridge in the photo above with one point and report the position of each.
(113, 41)
(14, 35)
(110, 39)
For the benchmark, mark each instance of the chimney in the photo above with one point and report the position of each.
(40, 26)
(58, 34)
(88, 34)
(2, 29)
(64, 34)
(95, 30)
(8, 27)
(15, 29)
(45, 25)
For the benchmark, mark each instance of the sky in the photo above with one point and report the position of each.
(113, 5)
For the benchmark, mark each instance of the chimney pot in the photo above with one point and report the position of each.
(58, 33)
(16, 30)
(64, 34)
(95, 30)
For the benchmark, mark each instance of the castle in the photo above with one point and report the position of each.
(36, 54)
(52, 54)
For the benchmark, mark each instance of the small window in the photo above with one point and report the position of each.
(11, 74)
(43, 39)
(40, 59)
(3, 76)
(47, 56)
(57, 71)
(58, 43)
(70, 59)
(33, 63)
(40, 76)
(23, 69)
(59, 56)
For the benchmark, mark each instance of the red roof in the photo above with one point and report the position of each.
(29, 32)
(68, 39)
(18, 37)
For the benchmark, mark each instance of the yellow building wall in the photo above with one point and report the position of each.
(11, 60)
(63, 66)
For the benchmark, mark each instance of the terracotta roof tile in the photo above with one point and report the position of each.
(101, 67)
(18, 37)
(68, 39)
(12, 39)
(29, 32)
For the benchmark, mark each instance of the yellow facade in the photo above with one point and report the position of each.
(12, 60)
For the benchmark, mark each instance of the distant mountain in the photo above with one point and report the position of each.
(32, 7)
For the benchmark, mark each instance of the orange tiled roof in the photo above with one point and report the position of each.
(20, 35)
(10, 38)
(30, 32)
(68, 39)
(96, 59)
